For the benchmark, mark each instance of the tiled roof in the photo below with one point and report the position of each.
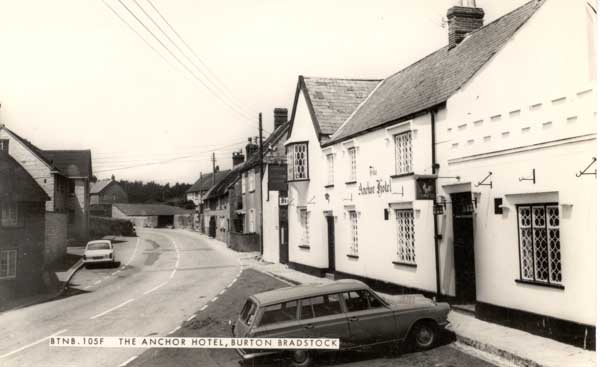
(332, 100)
(279, 133)
(205, 183)
(221, 187)
(72, 163)
(150, 209)
(99, 185)
(17, 184)
(433, 79)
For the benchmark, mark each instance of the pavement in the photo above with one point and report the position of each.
(505, 345)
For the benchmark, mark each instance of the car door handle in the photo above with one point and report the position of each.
(310, 326)
(353, 319)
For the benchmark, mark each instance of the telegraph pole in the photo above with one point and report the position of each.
(214, 161)
(260, 154)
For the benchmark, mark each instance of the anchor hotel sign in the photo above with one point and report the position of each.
(380, 186)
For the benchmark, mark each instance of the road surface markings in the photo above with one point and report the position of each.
(128, 361)
(191, 318)
(203, 307)
(32, 344)
(132, 255)
(221, 292)
(97, 282)
(155, 288)
(214, 299)
(172, 273)
(88, 287)
(115, 272)
(112, 309)
(174, 330)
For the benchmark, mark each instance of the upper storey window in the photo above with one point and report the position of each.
(297, 157)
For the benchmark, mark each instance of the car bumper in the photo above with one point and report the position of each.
(246, 354)
(97, 261)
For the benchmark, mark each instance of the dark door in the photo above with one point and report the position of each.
(283, 235)
(464, 254)
(212, 227)
(331, 242)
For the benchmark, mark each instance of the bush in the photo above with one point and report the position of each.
(102, 226)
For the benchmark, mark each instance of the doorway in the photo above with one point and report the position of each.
(284, 256)
(464, 253)
(331, 242)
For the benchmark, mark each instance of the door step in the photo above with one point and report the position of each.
(330, 276)
(467, 308)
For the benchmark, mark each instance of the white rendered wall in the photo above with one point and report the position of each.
(531, 107)
(270, 222)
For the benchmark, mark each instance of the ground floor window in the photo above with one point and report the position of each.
(353, 232)
(251, 221)
(405, 232)
(539, 243)
(305, 224)
(8, 264)
(10, 215)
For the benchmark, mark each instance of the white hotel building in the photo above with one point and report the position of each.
(464, 175)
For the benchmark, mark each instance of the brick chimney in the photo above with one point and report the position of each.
(280, 117)
(251, 148)
(238, 158)
(463, 18)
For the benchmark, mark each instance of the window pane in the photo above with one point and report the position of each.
(526, 242)
(306, 311)
(554, 244)
(403, 144)
(356, 301)
(353, 233)
(326, 305)
(279, 313)
(406, 236)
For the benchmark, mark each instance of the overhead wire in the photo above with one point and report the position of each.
(193, 52)
(240, 114)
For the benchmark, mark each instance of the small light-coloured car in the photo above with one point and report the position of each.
(345, 309)
(100, 251)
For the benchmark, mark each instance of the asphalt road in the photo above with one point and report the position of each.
(163, 278)
(168, 283)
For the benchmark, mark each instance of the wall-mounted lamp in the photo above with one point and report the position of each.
(327, 196)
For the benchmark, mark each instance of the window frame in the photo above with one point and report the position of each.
(251, 181)
(397, 156)
(353, 164)
(330, 170)
(290, 162)
(399, 259)
(305, 226)
(19, 220)
(353, 245)
(3, 147)
(7, 274)
(534, 280)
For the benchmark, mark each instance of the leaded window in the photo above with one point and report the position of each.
(8, 264)
(405, 228)
(539, 243)
(403, 153)
(330, 169)
(297, 157)
(305, 225)
(352, 157)
(353, 232)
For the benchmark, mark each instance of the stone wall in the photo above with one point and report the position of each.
(55, 236)
(244, 242)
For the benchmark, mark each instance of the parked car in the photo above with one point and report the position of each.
(345, 309)
(99, 251)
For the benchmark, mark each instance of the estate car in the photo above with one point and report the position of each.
(345, 309)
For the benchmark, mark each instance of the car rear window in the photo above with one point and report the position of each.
(279, 313)
(320, 306)
(98, 246)
(248, 312)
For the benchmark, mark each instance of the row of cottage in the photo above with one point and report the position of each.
(48, 199)
(468, 175)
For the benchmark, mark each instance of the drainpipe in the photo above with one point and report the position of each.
(434, 168)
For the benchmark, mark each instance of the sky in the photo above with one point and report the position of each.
(73, 75)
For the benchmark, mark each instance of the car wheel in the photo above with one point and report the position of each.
(300, 358)
(424, 335)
